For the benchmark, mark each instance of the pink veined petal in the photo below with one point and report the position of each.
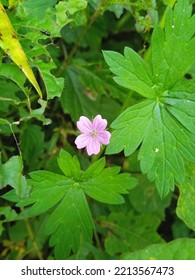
(82, 141)
(99, 124)
(93, 147)
(104, 137)
(84, 124)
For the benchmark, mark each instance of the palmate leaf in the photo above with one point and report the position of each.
(172, 55)
(166, 138)
(162, 126)
(131, 71)
(165, 145)
(69, 221)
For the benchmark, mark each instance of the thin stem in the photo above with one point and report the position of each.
(96, 157)
(16, 141)
(90, 22)
(97, 240)
(32, 237)
(80, 38)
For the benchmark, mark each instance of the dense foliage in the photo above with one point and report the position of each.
(131, 62)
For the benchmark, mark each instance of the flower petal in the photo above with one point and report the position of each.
(93, 147)
(99, 124)
(104, 137)
(84, 124)
(82, 141)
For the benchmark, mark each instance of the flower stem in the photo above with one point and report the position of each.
(96, 157)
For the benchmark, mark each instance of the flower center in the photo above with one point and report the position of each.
(94, 133)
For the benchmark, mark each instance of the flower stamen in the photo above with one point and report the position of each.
(94, 133)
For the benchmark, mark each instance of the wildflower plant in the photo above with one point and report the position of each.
(97, 134)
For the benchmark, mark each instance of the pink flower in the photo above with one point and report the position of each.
(93, 134)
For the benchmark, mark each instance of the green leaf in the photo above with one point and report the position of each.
(179, 249)
(47, 16)
(74, 99)
(11, 174)
(130, 127)
(37, 8)
(48, 189)
(69, 220)
(32, 145)
(182, 107)
(186, 203)
(173, 48)
(131, 71)
(39, 113)
(98, 82)
(69, 165)
(53, 85)
(68, 6)
(94, 169)
(166, 131)
(18, 232)
(10, 196)
(108, 185)
(9, 91)
(150, 202)
(3, 121)
(11, 71)
(88, 89)
(163, 127)
(129, 231)
(7, 214)
(70, 223)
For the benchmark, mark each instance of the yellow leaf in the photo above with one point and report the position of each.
(10, 44)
